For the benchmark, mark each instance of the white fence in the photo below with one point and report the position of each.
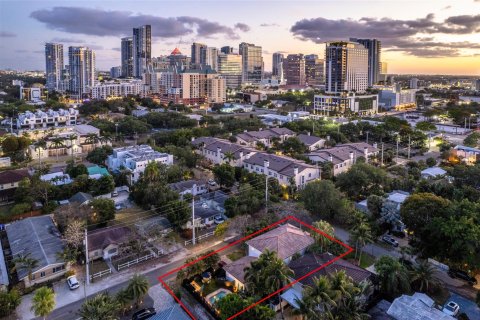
(203, 236)
(128, 264)
(101, 274)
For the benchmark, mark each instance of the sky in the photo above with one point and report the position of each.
(418, 37)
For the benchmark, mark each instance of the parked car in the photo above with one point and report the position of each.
(391, 241)
(212, 183)
(455, 273)
(219, 219)
(73, 283)
(451, 308)
(118, 207)
(114, 194)
(144, 314)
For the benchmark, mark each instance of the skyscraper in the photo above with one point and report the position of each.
(252, 62)
(226, 50)
(346, 67)
(142, 49)
(54, 65)
(277, 65)
(127, 57)
(374, 47)
(198, 53)
(294, 69)
(314, 74)
(230, 68)
(211, 58)
(81, 62)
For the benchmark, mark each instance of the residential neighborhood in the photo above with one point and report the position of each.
(147, 175)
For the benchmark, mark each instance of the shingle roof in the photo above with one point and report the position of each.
(185, 185)
(416, 307)
(285, 240)
(100, 239)
(38, 237)
(312, 261)
(308, 140)
(11, 176)
(80, 197)
(236, 268)
(281, 164)
(341, 153)
(175, 312)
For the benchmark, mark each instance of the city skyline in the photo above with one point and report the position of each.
(437, 37)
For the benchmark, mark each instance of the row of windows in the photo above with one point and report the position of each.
(54, 270)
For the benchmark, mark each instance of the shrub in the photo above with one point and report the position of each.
(21, 208)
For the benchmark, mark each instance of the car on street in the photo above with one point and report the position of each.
(391, 241)
(455, 273)
(73, 283)
(114, 194)
(212, 183)
(218, 219)
(144, 314)
(118, 207)
(451, 308)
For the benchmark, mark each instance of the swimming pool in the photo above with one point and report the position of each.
(217, 295)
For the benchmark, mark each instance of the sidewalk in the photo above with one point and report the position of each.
(64, 296)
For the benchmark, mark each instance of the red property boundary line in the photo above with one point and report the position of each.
(349, 250)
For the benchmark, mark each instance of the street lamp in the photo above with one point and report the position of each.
(266, 164)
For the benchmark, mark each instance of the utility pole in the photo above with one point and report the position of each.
(87, 265)
(193, 220)
(382, 154)
(266, 164)
(409, 141)
(398, 140)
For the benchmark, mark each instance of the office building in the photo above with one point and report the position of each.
(178, 60)
(226, 50)
(277, 65)
(116, 72)
(397, 98)
(142, 50)
(230, 68)
(346, 67)
(384, 68)
(414, 83)
(211, 58)
(477, 85)
(53, 65)
(294, 69)
(127, 57)
(314, 70)
(252, 63)
(198, 53)
(374, 48)
(346, 104)
(81, 63)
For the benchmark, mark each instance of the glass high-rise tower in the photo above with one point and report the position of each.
(374, 48)
(277, 65)
(252, 62)
(127, 57)
(142, 50)
(54, 65)
(81, 62)
(230, 67)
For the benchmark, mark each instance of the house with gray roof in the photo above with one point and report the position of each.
(39, 239)
(218, 151)
(343, 156)
(193, 187)
(81, 198)
(418, 306)
(311, 142)
(174, 312)
(4, 281)
(285, 169)
(264, 136)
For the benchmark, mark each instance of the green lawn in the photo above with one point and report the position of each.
(5, 211)
(237, 254)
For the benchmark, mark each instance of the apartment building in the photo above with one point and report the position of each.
(219, 151)
(117, 89)
(45, 119)
(264, 136)
(135, 159)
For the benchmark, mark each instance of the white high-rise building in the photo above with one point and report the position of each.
(277, 65)
(346, 67)
(54, 65)
(211, 58)
(81, 62)
(414, 83)
(374, 48)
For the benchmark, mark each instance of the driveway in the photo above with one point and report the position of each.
(467, 306)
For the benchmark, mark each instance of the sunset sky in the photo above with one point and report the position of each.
(423, 36)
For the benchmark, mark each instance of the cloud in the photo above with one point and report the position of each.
(269, 25)
(68, 40)
(116, 49)
(408, 36)
(242, 27)
(120, 23)
(21, 51)
(447, 7)
(6, 34)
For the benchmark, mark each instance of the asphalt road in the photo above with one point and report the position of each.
(70, 311)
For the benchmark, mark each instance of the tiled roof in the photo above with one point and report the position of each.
(311, 261)
(281, 164)
(285, 240)
(236, 268)
(12, 176)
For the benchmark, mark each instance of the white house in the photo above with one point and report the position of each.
(57, 178)
(48, 118)
(193, 187)
(217, 151)
(311, 142)
(433, 173)
(282, 168)
(470, 155)
(264, 136)
(135, 159)
(418, 306)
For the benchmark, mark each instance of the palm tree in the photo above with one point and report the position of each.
(152, 172)
(278, 275)
(361, 235)
(100, 307)
(25, 262)
(326, 228)
(92, 138)
(72, 138)
(40, 144)
(255, 276)
(138, 288)
(228, 156)
(123, 299)
(56, 143)
(423, 276)
(43, 302)
(321, 295)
